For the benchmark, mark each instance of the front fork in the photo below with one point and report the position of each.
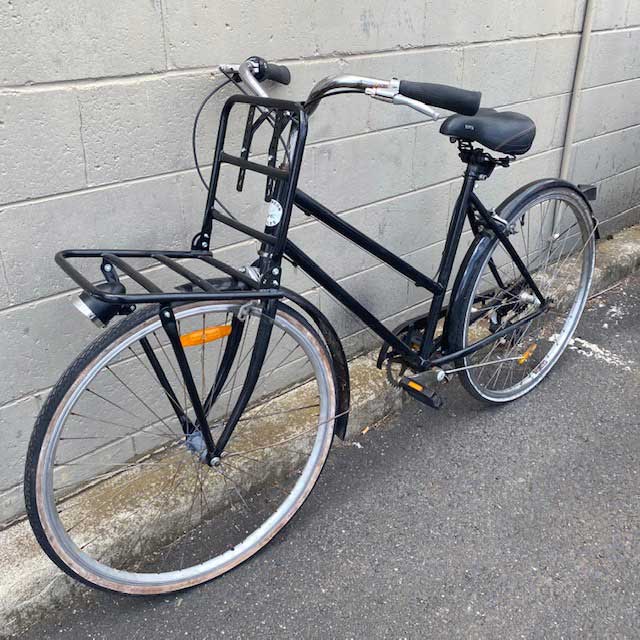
(263, 336)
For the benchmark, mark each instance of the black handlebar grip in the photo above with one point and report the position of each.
(443, 96)
(278, 73)
(270, 71)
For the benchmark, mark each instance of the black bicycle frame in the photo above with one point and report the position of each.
(275, 245)
(466, 204)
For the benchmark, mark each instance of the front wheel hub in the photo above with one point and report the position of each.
(196, 444)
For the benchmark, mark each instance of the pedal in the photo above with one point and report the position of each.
(421, 393)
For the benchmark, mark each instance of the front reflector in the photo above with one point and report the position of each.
(527, 354)
(208, 334)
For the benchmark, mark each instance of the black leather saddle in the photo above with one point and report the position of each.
(504, 131)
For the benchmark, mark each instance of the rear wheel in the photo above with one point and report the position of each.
(119, 493)
(553, 234)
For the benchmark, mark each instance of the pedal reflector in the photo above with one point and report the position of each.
(208, 334)
(421, 393)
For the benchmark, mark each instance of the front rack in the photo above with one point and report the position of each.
(281, 185)
(248, 288)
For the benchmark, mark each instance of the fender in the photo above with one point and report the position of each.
(507, 209)
(338, 357)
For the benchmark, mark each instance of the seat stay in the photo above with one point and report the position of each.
(506, 243)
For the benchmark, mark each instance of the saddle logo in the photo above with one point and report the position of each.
(470, 127)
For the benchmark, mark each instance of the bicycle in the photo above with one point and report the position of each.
(187, 435)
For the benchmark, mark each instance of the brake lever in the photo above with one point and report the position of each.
(392, 95)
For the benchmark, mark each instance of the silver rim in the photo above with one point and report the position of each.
(83, 564)
(560, 251)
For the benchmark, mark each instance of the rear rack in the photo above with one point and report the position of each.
(281, 186)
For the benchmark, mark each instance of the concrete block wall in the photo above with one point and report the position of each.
(96, 106)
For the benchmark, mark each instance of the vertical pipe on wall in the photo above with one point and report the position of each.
(583, 51)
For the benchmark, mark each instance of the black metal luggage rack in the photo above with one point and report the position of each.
(287, 119)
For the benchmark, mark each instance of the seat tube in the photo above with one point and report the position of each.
(448, 257)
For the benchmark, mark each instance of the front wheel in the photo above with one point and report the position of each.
(553, 233)
(118, 489)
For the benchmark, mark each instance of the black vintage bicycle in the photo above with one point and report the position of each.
(191, 431)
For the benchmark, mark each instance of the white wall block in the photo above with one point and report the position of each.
(612, 14)
(608, 108)
(203, 34)
(49, 41)
(147, 213)
(16, 423)
(605, 156)
(613, 56)
(40, 144)
(486, 20)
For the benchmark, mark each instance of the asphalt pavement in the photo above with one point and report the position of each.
(469, 522)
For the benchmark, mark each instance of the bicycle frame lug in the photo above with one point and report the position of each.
(507, 227)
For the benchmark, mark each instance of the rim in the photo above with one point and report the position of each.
(559, 340)
(133, 582)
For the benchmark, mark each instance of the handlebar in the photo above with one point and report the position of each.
(416, 95)
(442, 95)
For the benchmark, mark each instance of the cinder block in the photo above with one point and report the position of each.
(5, 298)
(11, 503)
(45, 42)
(16, 424)
(515, 71)
(632, 18)
(483, 20)
(555, 64)
(503, 71)
(602, 157)
(133, 215)
(143, 127)
(611, 15)
(435, 159)
(40, 340)
(203, 34)
(40, 144)
(621, 221)
(357, 171)
(613, 56)
(608, 108)
(425, 260)
(617, 194)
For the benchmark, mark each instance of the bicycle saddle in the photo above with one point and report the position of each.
(505, 131)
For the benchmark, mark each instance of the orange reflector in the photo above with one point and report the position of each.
(415, 385)
(527, 354)
(200, 336)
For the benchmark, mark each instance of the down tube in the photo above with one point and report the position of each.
(331, 286)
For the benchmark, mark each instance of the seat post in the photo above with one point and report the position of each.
(479, 163)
